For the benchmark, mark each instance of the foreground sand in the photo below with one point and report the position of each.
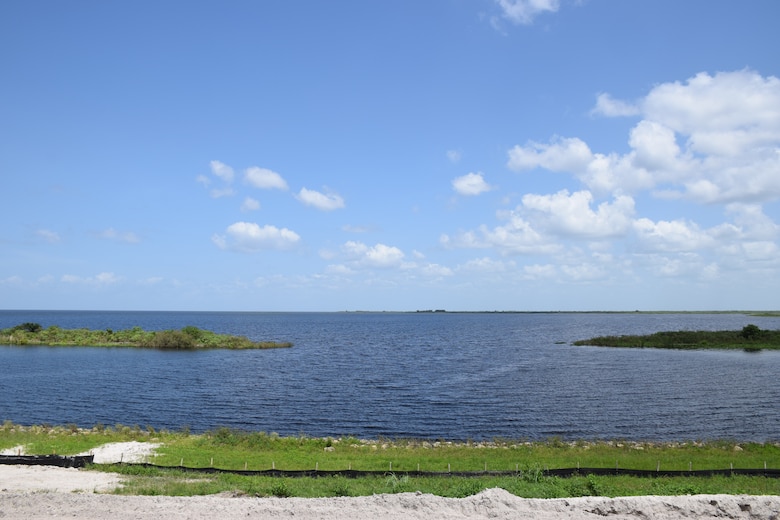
(491, 503)
(32, 492)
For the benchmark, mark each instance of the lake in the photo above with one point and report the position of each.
(453, 376)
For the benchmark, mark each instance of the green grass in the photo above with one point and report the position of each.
(230, 449)
(750, 338)
(146, 481)
(188, 338)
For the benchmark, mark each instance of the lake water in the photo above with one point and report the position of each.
(424, 375)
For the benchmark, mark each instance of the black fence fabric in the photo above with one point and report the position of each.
(80, 461)
(565, 472)
(74, 461)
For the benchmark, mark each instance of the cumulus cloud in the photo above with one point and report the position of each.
(571, 214)
(675, 235)
(516, 236)
(249, 237)
(711, 139)
(264, 178)
(321, 201)
(607, 106)
(524, 11)
(379, 255)
(561, 155)
(222, 172)
(250, 204)
(470, 184)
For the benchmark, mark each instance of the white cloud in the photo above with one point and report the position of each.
(607, 106)
(752, 223)
(222, 170)
(105, 278)
(250, 237)
(524, 11)
(264, 178)
(380, 255)
(517, 236)
(49, 236)
(321, 201)
(470, 184)
(676, 235)
(712, 139)
(562, 155)
(453, 156)
(571, 214)
(123, 236)
(250, 204)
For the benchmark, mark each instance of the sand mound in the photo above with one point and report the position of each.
(123, 452)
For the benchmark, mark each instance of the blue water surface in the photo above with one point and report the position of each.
(425, 375)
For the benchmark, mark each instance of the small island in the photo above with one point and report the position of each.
(751, 338)
(187, 338)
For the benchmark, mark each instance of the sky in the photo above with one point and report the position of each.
(364, 155)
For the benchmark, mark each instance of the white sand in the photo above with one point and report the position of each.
(32, 492)
(491, 503)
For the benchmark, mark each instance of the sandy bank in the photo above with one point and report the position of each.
(492, 503)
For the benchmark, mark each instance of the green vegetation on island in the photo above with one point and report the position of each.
(751, 338)
(187, 338)
(238, 450)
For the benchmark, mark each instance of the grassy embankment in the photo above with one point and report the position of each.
(750, 338)
(188, 338)
(228, 449)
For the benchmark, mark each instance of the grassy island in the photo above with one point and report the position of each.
(750, 338)
(187, 338)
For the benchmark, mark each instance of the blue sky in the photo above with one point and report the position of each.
(366, 155)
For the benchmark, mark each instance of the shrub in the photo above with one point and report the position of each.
(751, 332)
(193, 332)
(28, 327)
(170, 339)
